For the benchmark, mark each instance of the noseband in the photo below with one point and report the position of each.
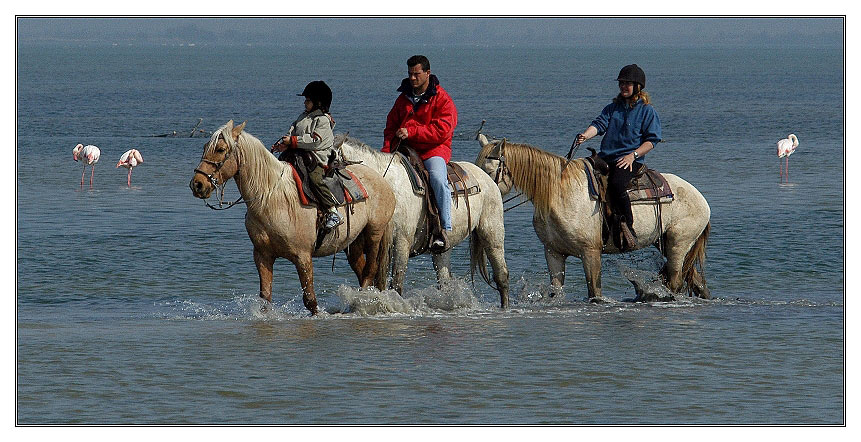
(225, 134)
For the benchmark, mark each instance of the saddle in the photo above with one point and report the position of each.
(459, 181)
(648, 186)
(344, 185)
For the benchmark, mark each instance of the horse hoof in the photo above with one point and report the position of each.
(598, 300)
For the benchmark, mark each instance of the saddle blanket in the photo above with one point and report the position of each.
(647, 188)
(468, 185)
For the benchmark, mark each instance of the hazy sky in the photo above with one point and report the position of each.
(482, 31)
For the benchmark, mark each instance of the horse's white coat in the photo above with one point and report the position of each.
(487, 225)
(572, 225)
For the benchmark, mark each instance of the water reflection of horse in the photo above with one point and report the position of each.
(481, 219)
(569, 223)
(281, 227)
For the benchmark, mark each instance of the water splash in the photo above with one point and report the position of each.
(536, 294)
(451, 296)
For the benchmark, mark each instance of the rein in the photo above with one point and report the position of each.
(574, 146)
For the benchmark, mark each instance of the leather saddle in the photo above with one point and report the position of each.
(460, 184)
(346, 187)
(648, 186)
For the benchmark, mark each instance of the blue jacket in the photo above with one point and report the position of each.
(626, 128)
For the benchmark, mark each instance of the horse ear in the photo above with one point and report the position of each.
(238, 130)
(497, 149)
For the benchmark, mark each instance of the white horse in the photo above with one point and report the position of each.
(484, 222)
(569, 223)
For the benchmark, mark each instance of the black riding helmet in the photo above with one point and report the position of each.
(319, 94)
(634, 74)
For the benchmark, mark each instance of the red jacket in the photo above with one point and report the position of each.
(430, 123)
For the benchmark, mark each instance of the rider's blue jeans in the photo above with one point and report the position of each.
(439, 183)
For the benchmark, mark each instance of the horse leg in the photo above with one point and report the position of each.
(400, 259)
(442, 265)
(264, 265)
(492, 243)
(556, 266)
(305, 269)
(671, 273)
(496, 256)
(356, 257)
(592, 268)
(682, 261)
(371, 252)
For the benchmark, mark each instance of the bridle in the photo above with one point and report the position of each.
(218, 165)
(502, 171)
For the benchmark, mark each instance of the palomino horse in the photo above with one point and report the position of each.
(568, 222)
(281, 227)
(482, 217)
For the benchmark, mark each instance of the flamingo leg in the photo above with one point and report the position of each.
(129, 179)
(83, 171)
(92, 173)
(787, 169)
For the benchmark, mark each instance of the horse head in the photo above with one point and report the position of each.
(491, 159)
(218, 163)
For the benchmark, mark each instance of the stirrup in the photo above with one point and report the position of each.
(439, 244)
(332, 220)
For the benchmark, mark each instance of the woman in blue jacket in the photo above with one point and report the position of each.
(631, 128)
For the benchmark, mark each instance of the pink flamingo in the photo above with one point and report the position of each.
(129, 160)
(785, 148)
(90, 155)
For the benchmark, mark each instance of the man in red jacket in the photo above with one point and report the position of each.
(424, 117)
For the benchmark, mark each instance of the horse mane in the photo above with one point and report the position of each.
(264, 178)
(540, 175)
(354, 143)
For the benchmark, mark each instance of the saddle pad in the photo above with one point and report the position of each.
(300, 186)
(415, 180)
(354, 191)
(649, 187)
(642, 189)
(592, 181)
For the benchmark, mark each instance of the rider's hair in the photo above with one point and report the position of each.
(419, 59)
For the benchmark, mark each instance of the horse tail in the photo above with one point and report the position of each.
(384, 257)
(695, 282)
(478, 258)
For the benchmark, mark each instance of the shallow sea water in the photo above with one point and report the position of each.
(139, 305)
